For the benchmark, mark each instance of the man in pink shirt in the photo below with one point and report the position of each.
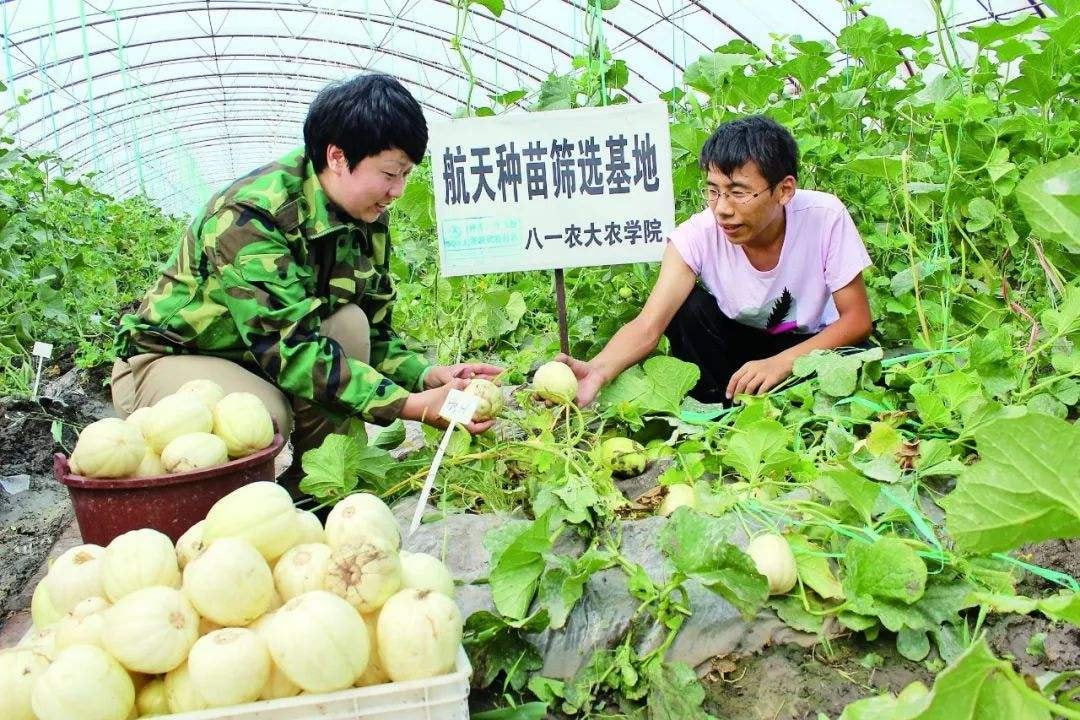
(780, 272)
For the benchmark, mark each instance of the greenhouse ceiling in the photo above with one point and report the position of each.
(174, 99)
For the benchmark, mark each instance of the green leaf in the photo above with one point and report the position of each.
(841, 484)
(884, 439)
(981, 214)
(562, 586)
(998, 30)
(497, 646)
(496, 7)
(813, 568)
(517, 570)
(913, 644)
(978, 686)
(760, 450)
(657, 386)
(885, 569)
(698, 547)
(790, 609)
(333, 468)
(1065, 318)
(569, 502)
(905, 706)
(837, 373)
(390, 436)
(617, 75)
(525, 711)
(807, 69)
(1049, 195)
(1025, 487)
(557, 92)
(509, 98)
(1062, 607)
(675, 693)
(889, 167)
(1036, 83)
(942, 602)
(709, 72)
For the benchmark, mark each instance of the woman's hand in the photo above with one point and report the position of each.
(440, 375)
(425, 406)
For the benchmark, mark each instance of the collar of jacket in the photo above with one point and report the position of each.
(319, 216)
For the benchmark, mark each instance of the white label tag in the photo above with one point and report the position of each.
(459, 407)
(42, 349)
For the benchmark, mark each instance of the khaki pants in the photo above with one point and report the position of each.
(142, 380)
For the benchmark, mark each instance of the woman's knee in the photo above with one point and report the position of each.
(349, 328)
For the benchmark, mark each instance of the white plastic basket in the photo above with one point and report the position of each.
(445, 697)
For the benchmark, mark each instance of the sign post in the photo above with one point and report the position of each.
(42, 351)
(553, 190)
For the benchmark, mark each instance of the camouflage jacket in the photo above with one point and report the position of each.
(264, 263)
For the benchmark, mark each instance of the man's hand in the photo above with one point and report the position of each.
(760, 376)
(424, 406)
(589, 378)
(440, 375)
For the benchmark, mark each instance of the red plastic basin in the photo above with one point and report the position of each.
(107, 507)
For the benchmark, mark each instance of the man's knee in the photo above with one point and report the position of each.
(699, 304)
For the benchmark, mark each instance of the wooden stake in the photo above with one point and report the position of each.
(560, 301)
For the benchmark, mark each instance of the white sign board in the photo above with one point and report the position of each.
(459, 407)
(560, 189)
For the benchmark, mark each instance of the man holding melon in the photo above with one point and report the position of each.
(780, 273)
(282, 287)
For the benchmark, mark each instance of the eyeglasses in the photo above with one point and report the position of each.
(739, 197)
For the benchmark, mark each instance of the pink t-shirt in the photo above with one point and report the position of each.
(822, 253)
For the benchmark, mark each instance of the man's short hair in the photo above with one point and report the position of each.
(755, 137)
(364, 116)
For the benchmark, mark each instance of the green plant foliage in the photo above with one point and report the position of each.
(1025, 487)
(71, 260)
(963, 176)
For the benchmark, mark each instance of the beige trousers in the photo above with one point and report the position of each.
(142, 380)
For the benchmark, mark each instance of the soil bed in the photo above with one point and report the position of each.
(782, 683)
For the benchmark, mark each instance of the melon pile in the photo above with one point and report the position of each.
(257, 601)
(197, 427)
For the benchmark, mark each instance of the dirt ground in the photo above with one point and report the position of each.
(781, 683)
(789, 683)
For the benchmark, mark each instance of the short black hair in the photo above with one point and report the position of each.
(755, 137)
(365, 116)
